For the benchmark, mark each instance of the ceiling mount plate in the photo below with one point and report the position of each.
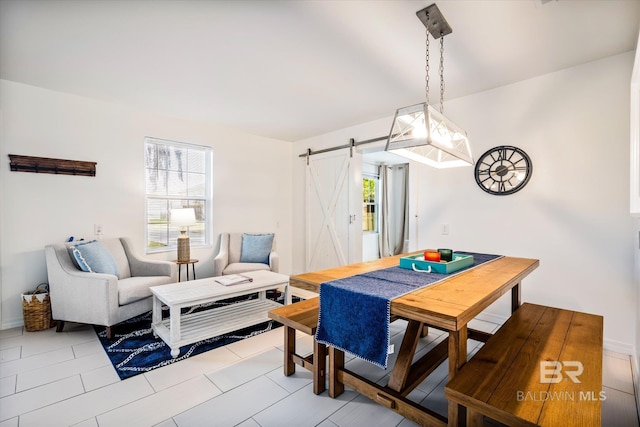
(436, 24)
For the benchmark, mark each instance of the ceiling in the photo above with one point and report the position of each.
(290, 70)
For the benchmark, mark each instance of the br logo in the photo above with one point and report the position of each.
(552, 371)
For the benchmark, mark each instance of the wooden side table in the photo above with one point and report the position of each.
(193, 267)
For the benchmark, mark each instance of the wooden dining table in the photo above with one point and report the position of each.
(447, 305)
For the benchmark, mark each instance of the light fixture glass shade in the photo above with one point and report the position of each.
(421, 133)
(183, 217)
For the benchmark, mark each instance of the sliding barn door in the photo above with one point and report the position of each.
(333, 223)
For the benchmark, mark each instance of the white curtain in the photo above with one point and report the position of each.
(394, 210)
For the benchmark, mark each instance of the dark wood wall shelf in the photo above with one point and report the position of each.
(55, 166)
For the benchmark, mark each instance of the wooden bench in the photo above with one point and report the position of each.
(512, 379)
(302, 316)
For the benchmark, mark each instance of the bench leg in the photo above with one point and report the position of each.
(319, 367)
(289, 350)
(425, 331)
(474, 419)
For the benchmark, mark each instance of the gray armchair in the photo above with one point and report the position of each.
(228, 260)
(103, 299)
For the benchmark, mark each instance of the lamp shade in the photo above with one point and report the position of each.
(183, 217)
(421, 133)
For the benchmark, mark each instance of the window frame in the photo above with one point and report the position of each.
(207, 198)
(375, 203)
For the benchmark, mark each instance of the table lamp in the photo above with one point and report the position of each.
(183, 218)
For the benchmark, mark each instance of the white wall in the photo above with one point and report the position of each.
(636, 360)
(251, 182)
(574, 213)
(634, 130)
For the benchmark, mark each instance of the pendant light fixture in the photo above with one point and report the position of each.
(421, 133)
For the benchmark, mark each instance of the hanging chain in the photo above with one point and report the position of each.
(441, 73)
(426, 68)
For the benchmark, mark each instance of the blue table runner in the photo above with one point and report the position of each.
(355, 311)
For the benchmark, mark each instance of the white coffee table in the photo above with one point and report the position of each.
(179, 330)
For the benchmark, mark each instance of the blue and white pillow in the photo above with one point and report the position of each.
(256, 248)
(94, 257)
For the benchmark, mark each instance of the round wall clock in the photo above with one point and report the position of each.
(503, 170)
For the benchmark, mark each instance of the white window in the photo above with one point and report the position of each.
(177, 175)
(370, 202)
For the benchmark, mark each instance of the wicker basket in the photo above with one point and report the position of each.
(36, 309)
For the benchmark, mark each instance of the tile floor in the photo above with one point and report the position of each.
(65, 379)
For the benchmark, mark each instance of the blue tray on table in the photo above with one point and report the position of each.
(417, 262)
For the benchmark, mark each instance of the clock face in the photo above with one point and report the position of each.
(503, 170)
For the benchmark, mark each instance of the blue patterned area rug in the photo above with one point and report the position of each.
(134, 350)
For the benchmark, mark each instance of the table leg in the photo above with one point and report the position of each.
(287, 294)
(407, 350)
(457, 358)
(457, 351)
(156, 316)
(515, 297)
(174, 333)
(179, 271)
(319, 367)
(193, 270)
(336, 362)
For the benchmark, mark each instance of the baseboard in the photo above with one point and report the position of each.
(609, 345)
(16, 323)
(493, 318)
(635, 370)
(619, 347)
